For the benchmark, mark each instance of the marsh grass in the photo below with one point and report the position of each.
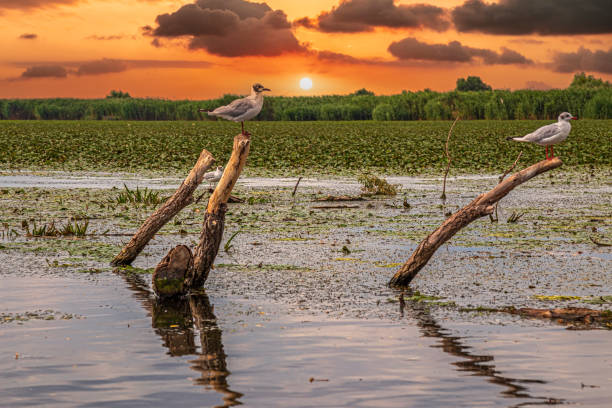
(376, 186)
(145, 196)
(76, 228)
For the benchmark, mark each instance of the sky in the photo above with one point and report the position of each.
(201, 49)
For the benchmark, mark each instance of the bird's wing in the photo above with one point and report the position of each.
(542, 133)
(237, 108)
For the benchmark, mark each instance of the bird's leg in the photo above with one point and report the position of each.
(552, 152)
(546, 152)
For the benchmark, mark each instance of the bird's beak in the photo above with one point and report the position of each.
(574, 118)
(266, 89)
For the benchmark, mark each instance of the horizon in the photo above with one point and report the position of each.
(204, 49)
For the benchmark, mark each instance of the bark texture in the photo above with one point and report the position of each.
(179, 200)
(479, 207)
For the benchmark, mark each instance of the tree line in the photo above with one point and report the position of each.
(587, 97)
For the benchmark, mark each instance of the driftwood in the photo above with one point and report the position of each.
(479, 207)
(192, 271)
(179, 200)
(333, 207)
(340, 198)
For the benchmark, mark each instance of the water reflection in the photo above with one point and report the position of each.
(478, 365)
(180, 323)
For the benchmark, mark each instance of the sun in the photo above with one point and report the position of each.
(306, 83)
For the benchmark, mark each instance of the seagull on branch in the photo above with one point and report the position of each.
(214, 176)
(241, 109)
(549, 135)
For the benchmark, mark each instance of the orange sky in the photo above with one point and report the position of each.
(72, 33)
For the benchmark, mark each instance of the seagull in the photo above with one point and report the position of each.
(214, 176)
(241, 109)
(549, 135)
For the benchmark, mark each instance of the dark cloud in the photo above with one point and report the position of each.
(583, 60)
(103, 66)
(45, 71)
(30, 4)
(544, 17)
(352, 16)
(106, 37)
(526, 41)
(228, 28)
(413, 49)
(28, 36)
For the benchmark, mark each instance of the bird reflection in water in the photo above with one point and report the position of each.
(179, 322)
(478, 365)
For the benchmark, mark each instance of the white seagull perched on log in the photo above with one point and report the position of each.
(214, 176)
(242, 109)
(549, 135)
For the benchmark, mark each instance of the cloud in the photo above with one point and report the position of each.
(229, 28)
(105, 37)
(363, 15)
(28, 36)
(45, 71)
(412, 49)
(544, 17)
(583, 60)
(30, 4)
(102, 67)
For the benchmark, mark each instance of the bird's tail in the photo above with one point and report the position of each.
(516, 139)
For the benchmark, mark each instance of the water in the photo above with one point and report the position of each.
(124, 349)
(298, 323)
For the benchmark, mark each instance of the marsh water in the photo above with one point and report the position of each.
(296, 312)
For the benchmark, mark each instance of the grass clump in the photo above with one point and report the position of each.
(373, 185)
(138, 196)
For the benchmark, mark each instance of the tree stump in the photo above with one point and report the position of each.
(479, 207)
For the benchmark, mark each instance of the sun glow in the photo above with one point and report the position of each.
(306, 83)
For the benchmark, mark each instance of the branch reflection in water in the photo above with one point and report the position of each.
(478, 365)
(178, 322)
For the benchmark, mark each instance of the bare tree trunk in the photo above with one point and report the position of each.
(179, 200)
(195, 270)
(479, 207)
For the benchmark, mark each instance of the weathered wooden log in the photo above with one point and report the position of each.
(196, 273)
(169, 275)
(179, 200)
(479, 207)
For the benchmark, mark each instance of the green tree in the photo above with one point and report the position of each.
(118, 94)
(582, 80)
(472, 83)
(363, 91)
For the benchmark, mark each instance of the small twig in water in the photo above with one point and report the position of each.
(296, 186)
(501, 178)
(599, 243)
(448, 157)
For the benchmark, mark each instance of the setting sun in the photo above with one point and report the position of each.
(306, 83)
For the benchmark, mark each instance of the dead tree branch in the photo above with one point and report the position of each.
(179, 200)
(448, 158)
(479, 207)
(193, 270)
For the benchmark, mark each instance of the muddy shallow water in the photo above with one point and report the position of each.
(297, 311)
